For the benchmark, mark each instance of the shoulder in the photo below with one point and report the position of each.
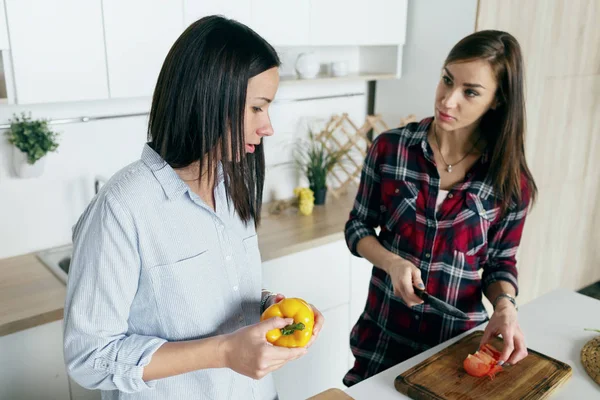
(399, 140)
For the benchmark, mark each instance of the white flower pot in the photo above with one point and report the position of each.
(25, 170)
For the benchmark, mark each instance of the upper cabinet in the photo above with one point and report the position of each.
(240, 10)
(337, 22)
(139, 34)
(3, 28)
(282, 22)
(70, 50)
(384, 22)
(57, 50)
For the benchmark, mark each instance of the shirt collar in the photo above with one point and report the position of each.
(171, 183)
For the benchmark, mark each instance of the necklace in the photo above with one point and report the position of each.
(449, 166)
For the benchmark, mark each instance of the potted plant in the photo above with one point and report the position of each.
(316, 161)
(32, 140)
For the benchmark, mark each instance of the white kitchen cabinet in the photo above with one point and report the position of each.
(57, 50)
(4, 44)
(325, 364)
(240, 10)
(337, 22)
(32, 364)
(139, 34)
(282, 22)
(318, 275)
(360, 277)
(385, 22)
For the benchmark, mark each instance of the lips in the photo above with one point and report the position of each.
(250, 148)
(445, 117)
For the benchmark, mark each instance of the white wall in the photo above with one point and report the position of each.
(434, 26)
(39, 213)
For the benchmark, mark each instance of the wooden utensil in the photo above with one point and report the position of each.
(442, 377)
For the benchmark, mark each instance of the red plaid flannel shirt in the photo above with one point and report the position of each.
(398, 191)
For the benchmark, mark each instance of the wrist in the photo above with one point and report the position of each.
(223, 349)
(389, 262)
(504, 300)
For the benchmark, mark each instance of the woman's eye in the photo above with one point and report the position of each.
(447, 80)
(256, 109)
(471, 93)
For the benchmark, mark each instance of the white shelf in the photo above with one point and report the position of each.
(290, 79)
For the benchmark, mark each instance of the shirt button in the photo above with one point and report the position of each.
(397, 191)
(235, 288)
(228, 258)
(450, 195)
(241, 318)
(417, 317)
(428, 255)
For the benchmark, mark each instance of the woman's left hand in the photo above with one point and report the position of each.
(504, 322)
(319, 319)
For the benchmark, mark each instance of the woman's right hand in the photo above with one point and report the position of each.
(247, 351)
(404, 275)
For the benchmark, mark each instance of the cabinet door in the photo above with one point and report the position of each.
(139, 34)
(325, 364)
(360, 278)
(3, 28)
(385, 22)
(319, 275)
(337, 22)
(240, 10)
(57, 50)
(282, 22)
(32, 364)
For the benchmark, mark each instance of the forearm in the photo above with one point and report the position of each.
(370, 249)
(175, 358)
(495, 289)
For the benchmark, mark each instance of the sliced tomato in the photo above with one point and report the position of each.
(485, 357)
(491, 350)
(476, 367)
(483, 362)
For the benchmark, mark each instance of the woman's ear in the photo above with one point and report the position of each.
(496, 103)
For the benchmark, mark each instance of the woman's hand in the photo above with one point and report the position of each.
(404, 275)
(504, 322)
(319, 319)
(247, 352)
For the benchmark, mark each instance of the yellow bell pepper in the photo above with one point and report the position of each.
(294, 335)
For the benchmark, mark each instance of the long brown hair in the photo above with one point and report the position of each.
(503, 127)
(200, 96)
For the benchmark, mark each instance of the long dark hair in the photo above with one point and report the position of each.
(198, 107)
(503, 127)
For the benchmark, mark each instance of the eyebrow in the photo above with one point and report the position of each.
(265, 99)
(473, 85)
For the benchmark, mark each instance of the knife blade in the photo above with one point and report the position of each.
(439, 304)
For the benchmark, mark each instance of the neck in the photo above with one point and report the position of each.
(203, 186)
(458, 142)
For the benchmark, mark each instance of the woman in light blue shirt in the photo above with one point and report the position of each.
(164, 294)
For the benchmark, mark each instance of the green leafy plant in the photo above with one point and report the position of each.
(33, 137)
(592, 330)
(316, 161)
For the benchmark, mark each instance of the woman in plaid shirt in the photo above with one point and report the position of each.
(450, 195)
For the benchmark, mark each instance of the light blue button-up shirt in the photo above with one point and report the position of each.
(152, 263)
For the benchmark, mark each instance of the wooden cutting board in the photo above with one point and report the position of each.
(442, 376)
(331, 394)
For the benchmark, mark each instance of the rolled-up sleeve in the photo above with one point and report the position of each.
(103, 280)
(504, 238)
(364, 217)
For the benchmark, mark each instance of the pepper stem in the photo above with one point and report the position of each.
(290, 329)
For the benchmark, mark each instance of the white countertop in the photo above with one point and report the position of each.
(553, 325)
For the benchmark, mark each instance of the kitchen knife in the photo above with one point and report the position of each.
(439, 304)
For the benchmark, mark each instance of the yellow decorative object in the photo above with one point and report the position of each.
(306, 200)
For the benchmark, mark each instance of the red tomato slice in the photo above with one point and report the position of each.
(485, 357)
(495, 369)
(491, 350)
(476, 367)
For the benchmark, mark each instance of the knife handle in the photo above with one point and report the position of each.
(422, 294)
